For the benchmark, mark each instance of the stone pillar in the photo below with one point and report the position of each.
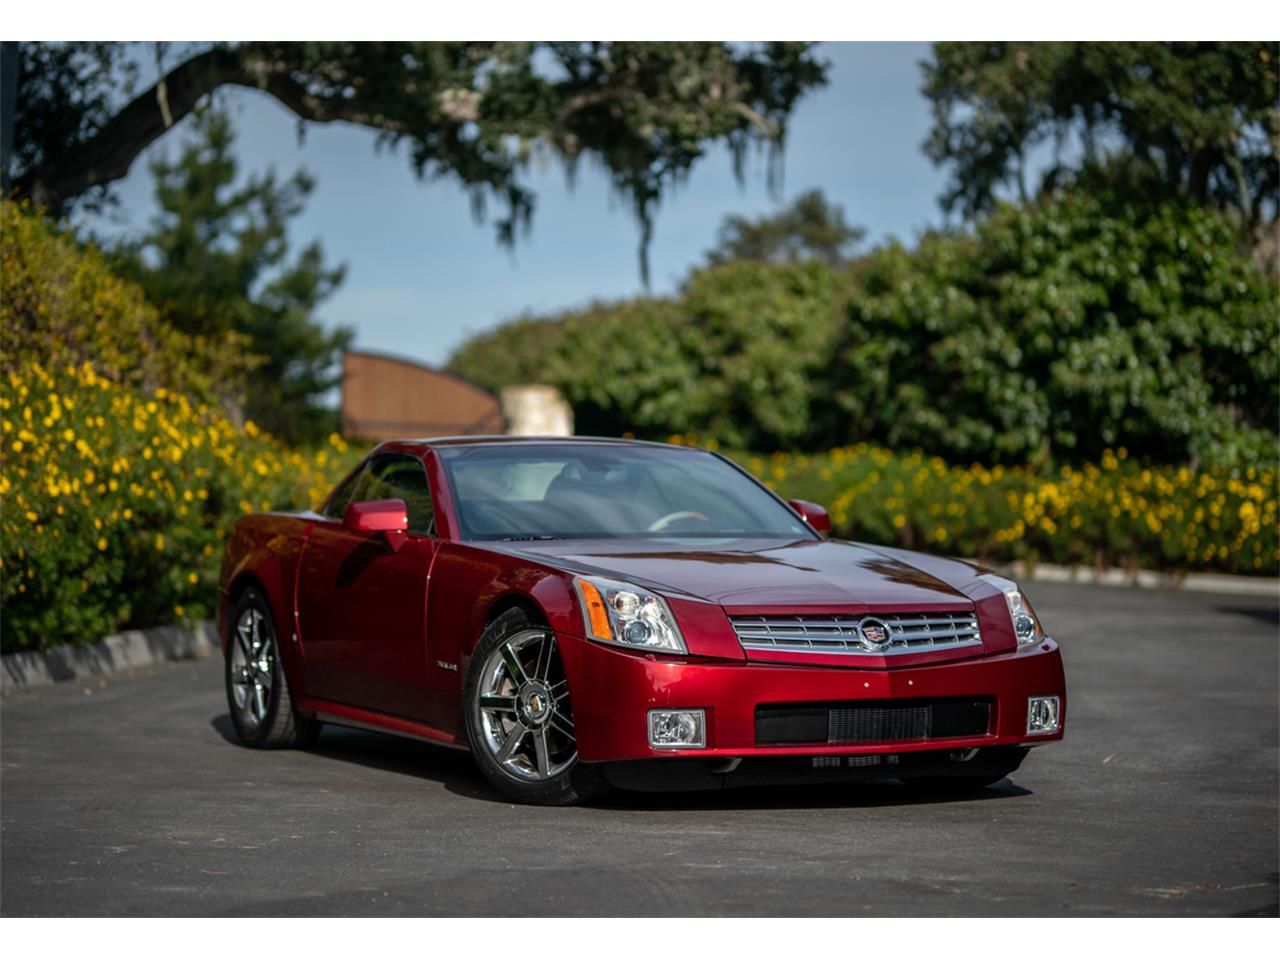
(534, 410)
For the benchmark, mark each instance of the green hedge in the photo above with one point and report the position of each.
(122, 472)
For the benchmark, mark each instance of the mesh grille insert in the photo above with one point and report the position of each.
(877, 724)
(872, 721)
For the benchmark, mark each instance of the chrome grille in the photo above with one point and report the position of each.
(818, 633)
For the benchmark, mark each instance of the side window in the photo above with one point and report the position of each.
(398, 476)
(345, 494)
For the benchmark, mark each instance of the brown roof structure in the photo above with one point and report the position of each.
(385, 397)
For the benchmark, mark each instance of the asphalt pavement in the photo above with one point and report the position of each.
(126, 797)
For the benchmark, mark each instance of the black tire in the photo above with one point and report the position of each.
(267, 718)
(578, 782)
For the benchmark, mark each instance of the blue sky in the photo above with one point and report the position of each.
(422, 274)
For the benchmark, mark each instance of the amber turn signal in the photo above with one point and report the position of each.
(597, 615)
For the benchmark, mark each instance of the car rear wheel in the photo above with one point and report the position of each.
(520, 718)
(258, 695)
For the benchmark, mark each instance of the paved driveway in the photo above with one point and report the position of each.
(127, 798)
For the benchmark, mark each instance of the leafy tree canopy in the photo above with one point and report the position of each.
(216, 262)
(1193, 120)
(480, 112)
(811, 228)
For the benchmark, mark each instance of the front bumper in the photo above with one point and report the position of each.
(614, 689)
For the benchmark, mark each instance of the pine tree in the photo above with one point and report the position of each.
(216, 260)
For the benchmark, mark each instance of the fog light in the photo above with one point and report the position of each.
(1042, 715)
(676, 729)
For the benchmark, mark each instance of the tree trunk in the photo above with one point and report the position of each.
(1202, 163)
(8, 103)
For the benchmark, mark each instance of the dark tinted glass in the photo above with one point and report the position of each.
(344, 495)
(400, 477)
(390, 476)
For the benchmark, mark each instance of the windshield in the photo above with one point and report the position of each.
(584, 491)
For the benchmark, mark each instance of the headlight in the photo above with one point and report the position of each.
(627, 615)
(1026, 627)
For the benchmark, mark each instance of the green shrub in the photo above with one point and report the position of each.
(1060, 330)
(122, 472)
(116, 502)
(737, 356)
(1048, 334)
(63, 306)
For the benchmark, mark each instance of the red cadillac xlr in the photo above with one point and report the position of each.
(582, 612)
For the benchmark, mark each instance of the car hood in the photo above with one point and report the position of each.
(755, 573)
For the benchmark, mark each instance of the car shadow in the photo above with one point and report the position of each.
(1269, 614)
(457, 773)
(866, 794)
(453, 769)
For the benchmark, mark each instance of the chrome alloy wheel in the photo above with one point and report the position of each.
(252, 664)
(525, 717)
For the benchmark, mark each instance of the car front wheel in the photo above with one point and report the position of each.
(519, 716)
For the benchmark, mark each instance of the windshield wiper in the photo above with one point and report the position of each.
(535, 536)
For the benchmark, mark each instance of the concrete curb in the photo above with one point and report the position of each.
(1146, 579)
(133, 648)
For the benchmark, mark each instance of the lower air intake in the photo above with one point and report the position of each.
(878, 724)
(871, 722)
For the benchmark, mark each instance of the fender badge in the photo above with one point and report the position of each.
(447, 666)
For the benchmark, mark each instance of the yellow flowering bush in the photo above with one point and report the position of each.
(1117, 512)
(63, 305)
(115, 501)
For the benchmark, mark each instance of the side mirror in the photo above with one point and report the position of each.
(377, 516)
(813, 514)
